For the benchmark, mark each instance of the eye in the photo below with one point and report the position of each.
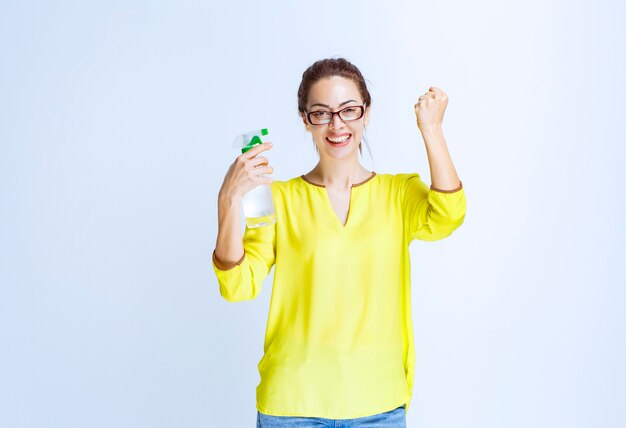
(319, 113)
(349, 110)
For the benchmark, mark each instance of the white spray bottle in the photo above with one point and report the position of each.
(258, 205)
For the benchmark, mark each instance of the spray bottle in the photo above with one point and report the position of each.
(258, 205)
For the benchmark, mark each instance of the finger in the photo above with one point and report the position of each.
(438, 91)
(257, 149)
(262, 170)
(258, 161)
(431, 95)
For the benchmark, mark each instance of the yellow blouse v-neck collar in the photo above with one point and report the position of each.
(329, 205)
(353, 185)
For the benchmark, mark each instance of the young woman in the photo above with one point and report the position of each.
(339, 337)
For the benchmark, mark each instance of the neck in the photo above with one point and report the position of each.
(339, 173)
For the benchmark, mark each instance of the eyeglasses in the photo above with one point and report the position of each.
(321, 117)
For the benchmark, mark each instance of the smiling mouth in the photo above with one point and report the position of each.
(340, 143)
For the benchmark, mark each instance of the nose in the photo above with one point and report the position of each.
(336, 121)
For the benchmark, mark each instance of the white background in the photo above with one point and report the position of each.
(116, 120)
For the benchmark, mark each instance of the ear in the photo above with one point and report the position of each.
(306, 124)
(366, 116)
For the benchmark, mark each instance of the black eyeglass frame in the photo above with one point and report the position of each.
(333, 113)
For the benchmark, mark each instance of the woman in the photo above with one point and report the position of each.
(339, 337)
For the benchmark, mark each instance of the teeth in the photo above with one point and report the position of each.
(339, 140)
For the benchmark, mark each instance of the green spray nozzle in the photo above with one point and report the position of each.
(249, 139)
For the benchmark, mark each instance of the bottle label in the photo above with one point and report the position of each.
(253, 142)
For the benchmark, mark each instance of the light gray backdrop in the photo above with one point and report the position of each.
(116, 124)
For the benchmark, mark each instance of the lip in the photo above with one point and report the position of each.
(345, 143)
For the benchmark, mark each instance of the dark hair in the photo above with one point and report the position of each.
(331, 67)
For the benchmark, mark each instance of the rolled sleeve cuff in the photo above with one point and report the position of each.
(221, 266)
(448, 191)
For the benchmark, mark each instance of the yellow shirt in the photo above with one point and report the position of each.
(339, 336)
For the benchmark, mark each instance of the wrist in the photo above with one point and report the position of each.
(430, 128)
(228, 199)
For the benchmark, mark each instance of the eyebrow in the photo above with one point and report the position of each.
(325, 105)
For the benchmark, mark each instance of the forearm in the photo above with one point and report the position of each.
(229, 247)
(443, 175)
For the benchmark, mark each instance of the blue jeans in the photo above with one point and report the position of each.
(395, 418)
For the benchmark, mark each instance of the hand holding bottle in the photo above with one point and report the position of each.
(246, 172)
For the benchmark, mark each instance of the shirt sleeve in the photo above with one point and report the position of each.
(244, 279)
(430, 214)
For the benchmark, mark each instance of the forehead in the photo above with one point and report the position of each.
(333, 91)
